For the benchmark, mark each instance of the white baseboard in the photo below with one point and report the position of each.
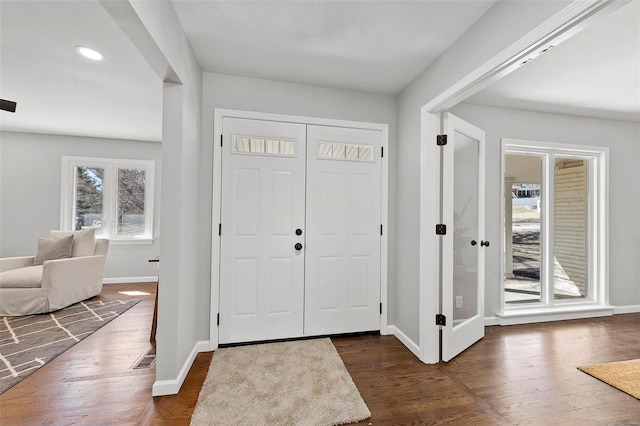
(172, 386)
(628, 309)
(129, 280)
(410, 344)
(489, 321)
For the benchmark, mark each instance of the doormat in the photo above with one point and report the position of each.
(285, 383)
(622, 375)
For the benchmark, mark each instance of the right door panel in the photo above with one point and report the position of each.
(342, 274)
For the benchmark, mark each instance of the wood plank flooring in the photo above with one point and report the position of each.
(517, 375)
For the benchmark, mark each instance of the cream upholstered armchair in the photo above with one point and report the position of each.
(67, 268)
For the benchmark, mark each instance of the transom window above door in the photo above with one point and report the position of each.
(344, 151)
(264, 146)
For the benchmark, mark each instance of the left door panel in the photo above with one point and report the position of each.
(263, 204)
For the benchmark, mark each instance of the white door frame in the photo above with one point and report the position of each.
(572, 19)
(218, 115)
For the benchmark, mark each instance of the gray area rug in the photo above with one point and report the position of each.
(289, 383)
(29, 342)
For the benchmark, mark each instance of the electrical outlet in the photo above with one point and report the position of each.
(458, 302)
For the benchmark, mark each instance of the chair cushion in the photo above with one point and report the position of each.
(27, 277)
(84, 241)
(53, 249)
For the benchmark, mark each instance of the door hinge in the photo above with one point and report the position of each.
(382, 151)
(380, 229)
(220, 140)
(219, 229)
(380, 308)
(441, 319)
(441, 140)
(441, 229)
(218, 319)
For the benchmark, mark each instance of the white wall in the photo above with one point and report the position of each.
(30, 175)
(179, 306)
(624, 201)
(504, 24)
(231, 92)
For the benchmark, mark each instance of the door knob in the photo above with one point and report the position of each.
(484, 243)
(298, 231)
(474, 242)
(298, 246)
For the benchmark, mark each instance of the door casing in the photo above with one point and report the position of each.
(219, 114)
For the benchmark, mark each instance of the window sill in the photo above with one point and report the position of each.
(131, 241)
(544, 314)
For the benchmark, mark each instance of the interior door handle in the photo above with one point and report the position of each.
(298, 246)
(474, 242)
(484, 243)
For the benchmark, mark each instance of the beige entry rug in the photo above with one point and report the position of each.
(622, 375)
(29, 342)
(287, 383)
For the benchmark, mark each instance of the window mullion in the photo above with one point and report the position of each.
(71, 213)
(547, 235)
(593, 201)
(109, 200)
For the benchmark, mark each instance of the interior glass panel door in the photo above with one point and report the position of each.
(463, 245)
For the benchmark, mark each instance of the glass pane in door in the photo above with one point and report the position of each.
(465, 232)
(523, 190)
(571, 220)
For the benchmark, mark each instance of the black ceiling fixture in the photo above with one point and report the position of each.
(6, 105)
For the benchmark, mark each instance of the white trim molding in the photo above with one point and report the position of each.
(129, 280)
(626, 309)
(489, 321)
(537, 315)
(172, 386)
(405, 340)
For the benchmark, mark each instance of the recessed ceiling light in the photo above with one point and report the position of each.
(90, 53)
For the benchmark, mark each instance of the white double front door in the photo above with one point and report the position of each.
(300, 230)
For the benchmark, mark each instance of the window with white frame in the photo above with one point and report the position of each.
(555, 225)
(114, 196)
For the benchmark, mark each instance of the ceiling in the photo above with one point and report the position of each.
(596, 73)
(378, 46)
(60, 92)
(374, 46)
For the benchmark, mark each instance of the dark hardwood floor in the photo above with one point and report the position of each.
(518, 375)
